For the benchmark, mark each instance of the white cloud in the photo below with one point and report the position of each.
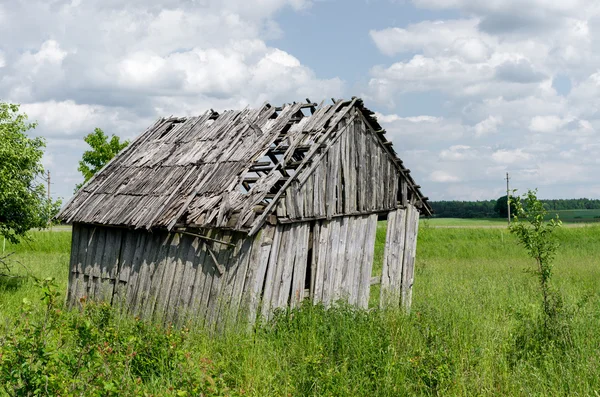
(506, 156)
(546, 123)
(443, 177)
(487, 126)
(119, 65)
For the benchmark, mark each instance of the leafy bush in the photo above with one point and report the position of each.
(50, 351)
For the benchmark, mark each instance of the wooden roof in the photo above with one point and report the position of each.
(217, 170)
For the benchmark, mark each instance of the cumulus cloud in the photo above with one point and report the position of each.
(520, 81)
(443, 177)
(120, 65)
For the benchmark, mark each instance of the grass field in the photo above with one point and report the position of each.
(472, 291)
(568, 217)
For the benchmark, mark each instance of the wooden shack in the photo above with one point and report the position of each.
(229, 215)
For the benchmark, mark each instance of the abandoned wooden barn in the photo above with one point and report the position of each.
(225, 216)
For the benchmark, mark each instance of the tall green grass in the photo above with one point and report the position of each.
(471, 288)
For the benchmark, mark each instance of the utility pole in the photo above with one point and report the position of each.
(49, 199)
(507, 196)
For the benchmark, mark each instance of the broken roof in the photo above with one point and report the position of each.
(209, 170)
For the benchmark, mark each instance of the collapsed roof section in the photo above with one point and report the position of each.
(218, 170)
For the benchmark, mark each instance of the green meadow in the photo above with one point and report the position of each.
(473, 292)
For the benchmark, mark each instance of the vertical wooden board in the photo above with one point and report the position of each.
(357, 257)
(257, 269)
(90, 252)
(300, 264)
(153, 256)
(271, 271)
(74, 261)
(189, 279)
(412, 227)
(99, 252)
(397, 248)
(363, 168)
(210, 271)
(404, 191)
(147, 264)
(349, 262)
(309, 195)
(329, 262)
(385, 268)
(181, 255)
(338, 261)
(125, 268)
(367, 261)
(314, 252)
(351, 171)
(245, 256)
(221, 254)
(316, 189)
(72, 290)
(110, 262)
(233, 267)
(323, 189)
(390, 261)
(136, 265)
(319, 257)
(84, 231)
(167, 268)
(281, 289)
(75, 238)
(393, 258)
(201, 271)
(342, 176)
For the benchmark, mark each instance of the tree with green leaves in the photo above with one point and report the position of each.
(536, 235)
(501, 207)
(24, 204)
(103, 150)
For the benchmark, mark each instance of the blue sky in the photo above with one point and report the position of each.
(467, 90)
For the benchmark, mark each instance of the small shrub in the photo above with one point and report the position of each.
(550, 328)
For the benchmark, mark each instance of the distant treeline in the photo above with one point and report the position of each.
(489, 209)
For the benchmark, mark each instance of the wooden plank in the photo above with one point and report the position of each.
(151, 261)
(300, 264)
(215, 298)
(233, 266)
(136, 264)
(210, 271)
(110, 263)
(322, 248)
(240, 280)
(367, 261)
(285, 264)
(349, 262)
(387, 267)
(412, 228)
(331, 199)
(125, 268)
(255, 276)
(357, 257)
(338, 261)
(180, 262)
(74, 262)
(271, 272)
(330, 260)
(199, 259)
(188, 281)
(393, 259)
(314, 245)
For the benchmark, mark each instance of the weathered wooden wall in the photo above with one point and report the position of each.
(173, 276)
(343, 260)
(356, 176)
(399, 257)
